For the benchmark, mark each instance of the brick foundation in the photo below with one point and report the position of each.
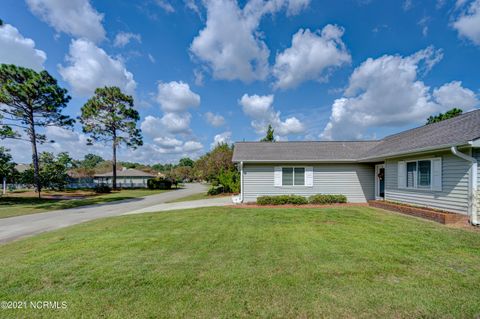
(427, 213)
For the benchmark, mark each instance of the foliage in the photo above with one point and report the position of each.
(282, 200)
(109, 116)
(442, 117)
(102, 189)
(53, 171)
(230, 180)
(215, 190)
(29, 101)
(186, 161)
(7, 167)
(327, 199)
(209, 166)
(181, 173)
(159, 183)
(90, 161)
(270, 136)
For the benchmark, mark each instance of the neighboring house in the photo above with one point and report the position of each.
(433, 166)
(126, 178)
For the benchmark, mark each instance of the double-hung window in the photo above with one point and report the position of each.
(293, 176)
(419, 174)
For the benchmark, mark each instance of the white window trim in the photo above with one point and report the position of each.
(415, 177)
(293, 176)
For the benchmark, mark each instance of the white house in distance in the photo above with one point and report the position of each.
(126, 178)
(433, 166)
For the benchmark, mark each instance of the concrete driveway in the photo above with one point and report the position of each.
(17, 227)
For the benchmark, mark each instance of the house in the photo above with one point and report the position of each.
(432, 166)
(126, 178)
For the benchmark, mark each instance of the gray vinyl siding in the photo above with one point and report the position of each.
(356, 181)
(454, 194)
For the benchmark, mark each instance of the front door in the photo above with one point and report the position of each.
(380, 181)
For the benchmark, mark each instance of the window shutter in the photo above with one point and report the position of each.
(402, 174)
(309, 176)
(277, 176)
(437, 174)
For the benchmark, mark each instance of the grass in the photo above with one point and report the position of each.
(17, 204)
(225, 262)
(196, 197)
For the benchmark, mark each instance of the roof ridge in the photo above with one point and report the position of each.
(341, 141)
(433, 124)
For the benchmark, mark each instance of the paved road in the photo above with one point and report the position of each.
(16, 227)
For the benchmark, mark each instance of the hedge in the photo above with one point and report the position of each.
(300, 200)
(159, 183)
(282, 200)
(327, 199)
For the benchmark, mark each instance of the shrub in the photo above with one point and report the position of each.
(230, 181)
(282, 200)
(159, 183)
(215, 190)
(327, 199)
(102, 189)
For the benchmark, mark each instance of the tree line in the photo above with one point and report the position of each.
(32, 101)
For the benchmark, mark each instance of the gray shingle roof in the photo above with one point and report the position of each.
(456, 131)
(130, 172)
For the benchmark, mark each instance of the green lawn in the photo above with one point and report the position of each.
(195, 197)
(15, 206)
(227, 262)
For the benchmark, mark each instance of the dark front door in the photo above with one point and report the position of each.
(381, 182)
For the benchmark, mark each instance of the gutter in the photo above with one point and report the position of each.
(472, 196)
(241, 182)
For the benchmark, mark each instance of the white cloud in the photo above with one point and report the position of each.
(15, 49)
(151, 125)
(310, 56)
(468, 23)
(260, 109)
(123, 38)
(452, 95)
(176, 123)
(231, 45)
(221, 138)
(176, 97)
(215, 120)
(243, 56)
(90, 67)
(165, 5)
(167, 142)
(74, 17)
(387, 92)
(151, 58)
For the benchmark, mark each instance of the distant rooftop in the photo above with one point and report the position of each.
(455, 131)
(129, 172)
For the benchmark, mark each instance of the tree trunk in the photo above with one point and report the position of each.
(36, 168)
(114, 166)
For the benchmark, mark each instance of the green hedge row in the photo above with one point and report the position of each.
(300, 200)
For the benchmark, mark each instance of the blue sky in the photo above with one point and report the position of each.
(208, 71)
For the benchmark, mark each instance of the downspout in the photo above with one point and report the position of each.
(241, 182)
(472, 197)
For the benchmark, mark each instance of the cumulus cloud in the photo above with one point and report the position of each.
(176, 97)
(260, 109)
(468, 23)
(90, 67)
(16, 49)
(176, 123)
(123, 38)
(215, 120)
(452, 95)
(221, 138)
(387, 92)
(243, 56)
(310, 56)
(74, 17)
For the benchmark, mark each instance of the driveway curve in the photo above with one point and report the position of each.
(27, 225)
